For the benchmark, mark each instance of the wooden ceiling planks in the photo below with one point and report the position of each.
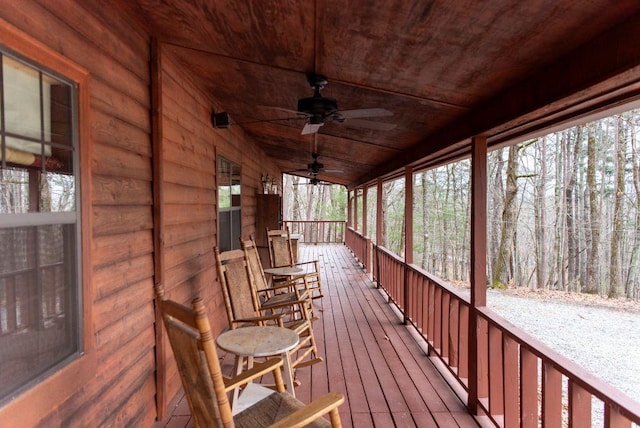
(445, 69)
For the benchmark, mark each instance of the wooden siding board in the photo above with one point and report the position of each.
(63, 36)
(115, 132)
(111, 161)
(113, 220)
(119, 303)
(113, 248)
(110, 190)
(125, 274)
(122, 45)
(121, 105)
(176, 234)
(179, 194)
(185, 176)
(118, 361)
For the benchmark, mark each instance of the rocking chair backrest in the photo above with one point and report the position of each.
(190, 336)
(280, 248)
(255, 265)
(235, 281)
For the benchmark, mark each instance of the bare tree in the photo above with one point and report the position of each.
(540, 217)
(614, 264)
(591, 285)
(503, 272)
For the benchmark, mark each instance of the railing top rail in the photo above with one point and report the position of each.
(314, 221)
(441, 283)
(390, 254)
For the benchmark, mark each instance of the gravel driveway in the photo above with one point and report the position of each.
(604, 341)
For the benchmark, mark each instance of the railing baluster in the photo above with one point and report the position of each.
(528, 389)
(551, 396)
(579, 406)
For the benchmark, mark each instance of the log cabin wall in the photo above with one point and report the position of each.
(190, 145)
(119, 385)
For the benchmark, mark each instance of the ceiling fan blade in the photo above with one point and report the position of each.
(370, 124)
(310, 128)
(365, 112)
(286, 110)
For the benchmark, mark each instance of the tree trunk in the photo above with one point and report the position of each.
(572, 235)
(593, 257)
(632, 272)
(496, 195)
(425, 222)
(502, 273)
(614, 264)
(540, 219)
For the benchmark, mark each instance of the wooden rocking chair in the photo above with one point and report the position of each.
(270, 291)
(244, 306)
(281, 255)
(206, 388)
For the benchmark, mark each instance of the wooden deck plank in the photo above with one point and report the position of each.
(386, 376)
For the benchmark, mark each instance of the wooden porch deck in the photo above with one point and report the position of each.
(370, 357)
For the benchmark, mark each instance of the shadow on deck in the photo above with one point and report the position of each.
(370, 357)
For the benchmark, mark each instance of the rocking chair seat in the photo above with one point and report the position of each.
(272, 409)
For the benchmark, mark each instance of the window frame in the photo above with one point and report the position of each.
(31, 405)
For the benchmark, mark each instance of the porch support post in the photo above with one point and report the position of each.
(408, 236)
(408, 215)
(349, 205)
(478, 355)
(355, 209)
(364, 211)
(158, 221)
(379, 213)
(379, 220)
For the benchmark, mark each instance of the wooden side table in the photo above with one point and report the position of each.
(260, 341)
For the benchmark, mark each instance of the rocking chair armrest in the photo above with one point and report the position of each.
(311, 411)
(259, 369)
(303, 300)
(310, 262)
(278, 286)
(258, 320)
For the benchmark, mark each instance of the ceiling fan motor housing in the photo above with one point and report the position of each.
(315, 167)
(318, 108)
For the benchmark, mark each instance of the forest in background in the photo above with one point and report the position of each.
(563, 211)
(306, 201)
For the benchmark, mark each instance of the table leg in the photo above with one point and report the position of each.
(239, 369)
(288, 373)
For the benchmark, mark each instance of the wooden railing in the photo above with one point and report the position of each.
(318, 231)
(520, 381)
(360, 247)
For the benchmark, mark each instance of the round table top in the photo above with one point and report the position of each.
(258, 341)
(284, 270)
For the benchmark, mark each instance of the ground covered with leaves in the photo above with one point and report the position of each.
(621, 303)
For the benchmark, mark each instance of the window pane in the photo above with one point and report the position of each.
(14, 191)
(57, 193)
(37, 110)
(22, 104)
(38, 309)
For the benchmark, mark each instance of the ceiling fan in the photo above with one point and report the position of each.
(314, 181)
(317, 110)
(314, 168)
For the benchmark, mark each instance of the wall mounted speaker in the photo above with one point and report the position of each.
(220, 120)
